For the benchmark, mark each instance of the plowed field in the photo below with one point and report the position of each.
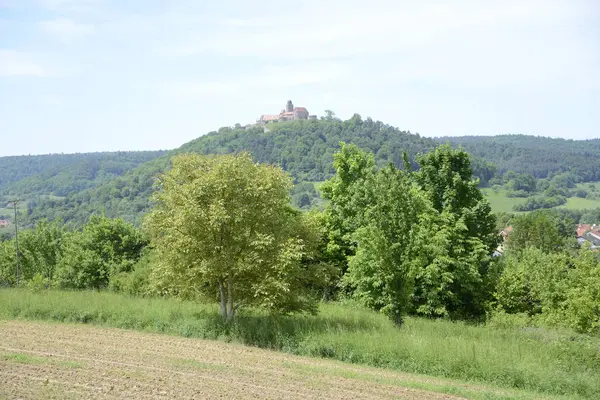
(39, 361)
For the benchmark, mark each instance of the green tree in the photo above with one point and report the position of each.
(381, 273)
(223, 227)
(41, 249)
(541, 230)
(458, 276)
(103, 248)
(347, 200)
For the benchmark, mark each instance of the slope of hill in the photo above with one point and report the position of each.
(303, 148)
(72, 187)
(64, 174)
(539, 156)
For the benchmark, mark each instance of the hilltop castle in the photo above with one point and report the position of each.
(290, 113)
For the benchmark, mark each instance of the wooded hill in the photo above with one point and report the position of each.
(72, 187)
(538, 156)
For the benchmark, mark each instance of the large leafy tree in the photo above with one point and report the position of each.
(224, 228)
(347, 201)
(458, 278)
(381, 273)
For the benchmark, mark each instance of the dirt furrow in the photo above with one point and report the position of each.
(40, 360)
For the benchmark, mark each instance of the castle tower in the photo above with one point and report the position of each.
(289, 106)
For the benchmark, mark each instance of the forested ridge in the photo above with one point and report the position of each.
(538, 156)
(63, 174)
(72, 187)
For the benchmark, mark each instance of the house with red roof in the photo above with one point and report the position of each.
(3, 223)
(582, 229)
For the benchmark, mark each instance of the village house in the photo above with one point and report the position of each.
(3, 223)
(504, 233)
(582, 229)
(593, 235)
(290, 113)
(589, 233)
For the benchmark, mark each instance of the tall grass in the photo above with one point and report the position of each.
(539, 360)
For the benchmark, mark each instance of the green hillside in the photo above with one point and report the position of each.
(64, 174)
(538, 156)
(73, 187)
(303, 148)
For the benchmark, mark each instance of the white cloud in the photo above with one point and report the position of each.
(15, 63)
(66, 29)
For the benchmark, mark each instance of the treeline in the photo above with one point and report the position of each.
(546, 278)
(302, 148)
(63, 175)
(538, 156)
(398, 240)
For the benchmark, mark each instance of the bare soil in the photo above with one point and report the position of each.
(47, 361)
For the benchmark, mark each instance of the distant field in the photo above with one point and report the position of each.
(574, 203)
(586, 185)
(499, 201)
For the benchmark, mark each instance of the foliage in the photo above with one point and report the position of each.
(550, 232)
(223, 226)
(459, 239)
(40, 251)
(343, 213)
(558, 289)
(382, 271)
(393, 226)
(537, 202)
(64, 174)
(102, 249)
(539, 156)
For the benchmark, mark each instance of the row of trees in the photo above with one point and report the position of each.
(396, 240)
(89, 258)
(546, 278)
(539, 156)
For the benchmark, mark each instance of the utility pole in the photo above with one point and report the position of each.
(15, 203)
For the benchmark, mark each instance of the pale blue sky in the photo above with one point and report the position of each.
(95, 75)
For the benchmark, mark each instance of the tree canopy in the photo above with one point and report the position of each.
(224, 228)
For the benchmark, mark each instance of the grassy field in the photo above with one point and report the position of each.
(499, 202)
(586, 185)
(576, 203)
(531, 360)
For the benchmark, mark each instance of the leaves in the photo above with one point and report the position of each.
(223, 225)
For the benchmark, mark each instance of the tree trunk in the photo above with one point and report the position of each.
(223, 300)
(230, 307)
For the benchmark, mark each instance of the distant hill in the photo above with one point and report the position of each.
(303, 148)
(72, 187)
(64, 174)
(539, 156)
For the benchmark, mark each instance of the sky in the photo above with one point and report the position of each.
(107, 75)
